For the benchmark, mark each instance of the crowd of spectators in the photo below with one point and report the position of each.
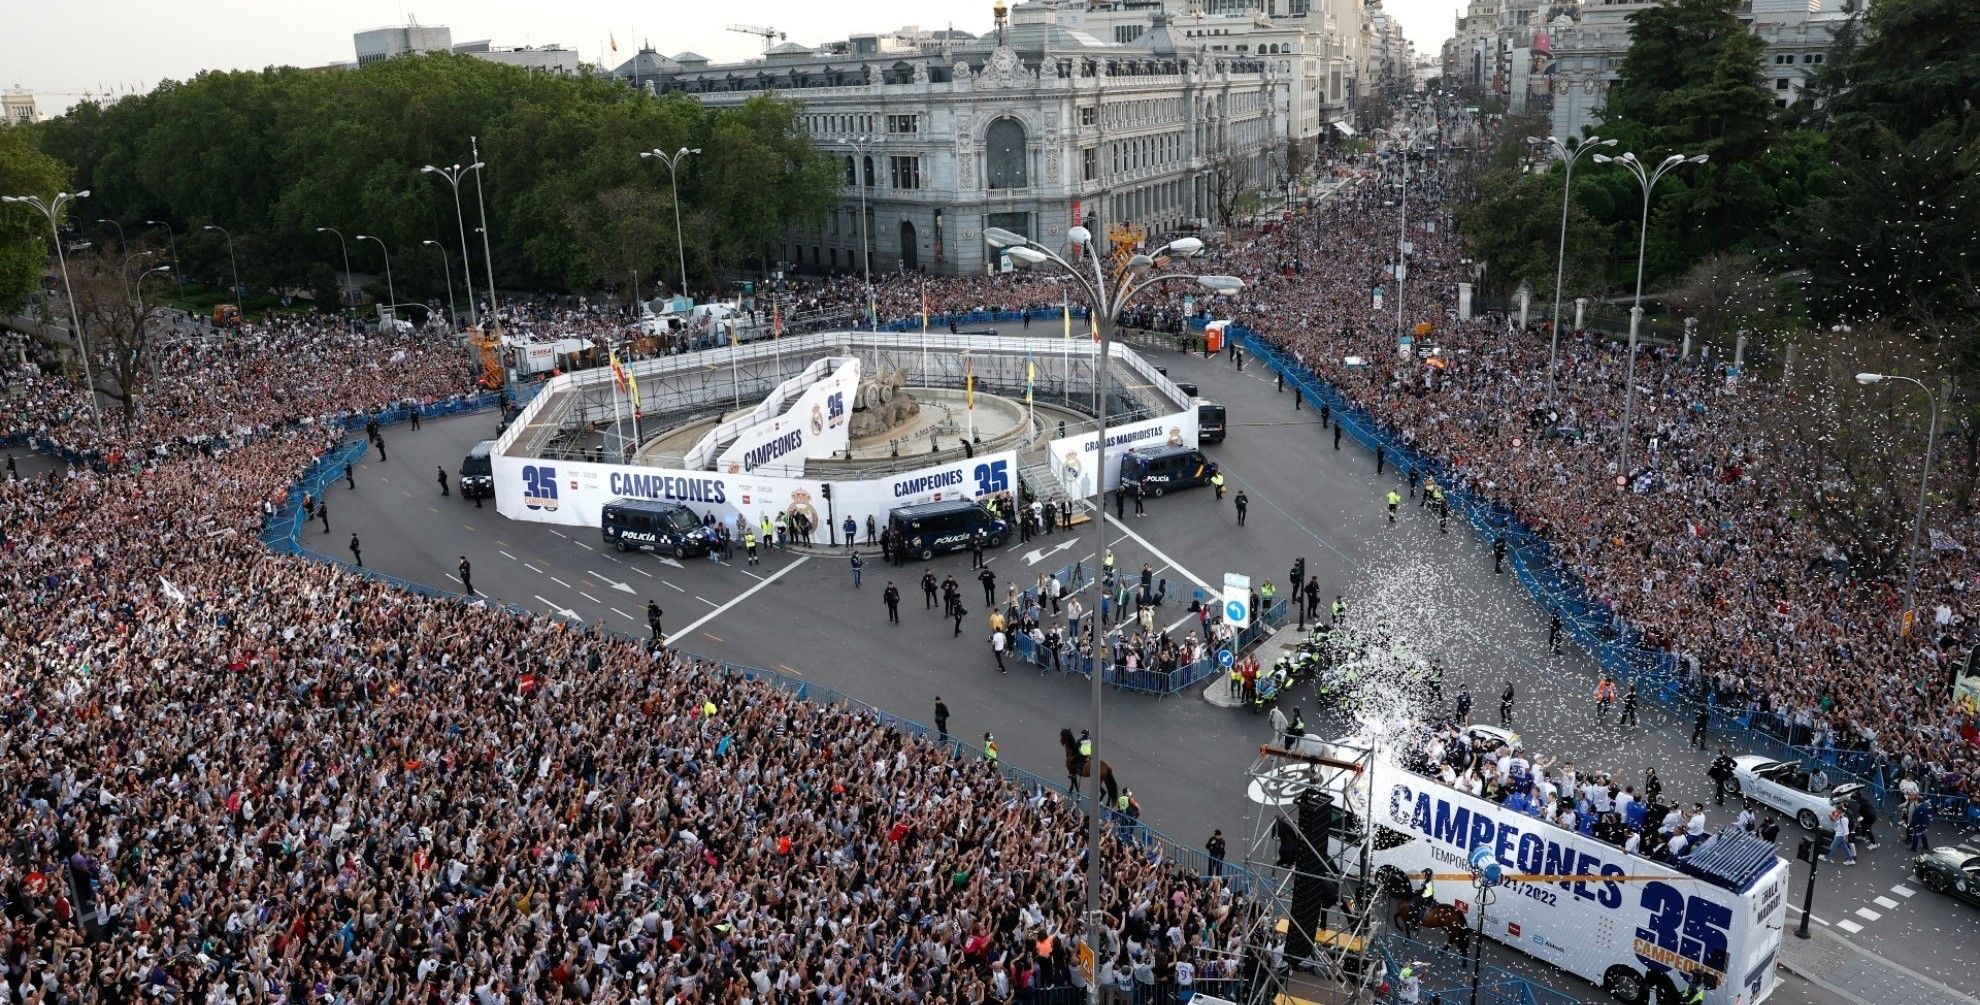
(243, 776)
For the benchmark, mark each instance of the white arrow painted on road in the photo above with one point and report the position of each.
(664, 560)
(1037, 555)
(554, 609)
(607, 580)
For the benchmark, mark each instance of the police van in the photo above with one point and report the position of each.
(929, 529)
(1210, 421)
(478, 471)
(1632, 925)
(667, 528)
(1165, 469)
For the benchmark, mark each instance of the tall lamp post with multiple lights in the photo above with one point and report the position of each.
(862, 147)
(673, 162)
(53, 211)
(1106, 303)
(1924, 479)
(1648, 179)
(171, 241)
(452, 175)
(1568, 156)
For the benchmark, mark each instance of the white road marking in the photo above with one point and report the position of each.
(583, 545)
(554, 609)
(751, 575)
(620, 613)
(532, 568)
(561, 534)
(451, 576)
(641, 571)
(589, 597)
(1172, 563)
(1849, 926)
(672, 587)
(707, 601)
(1867, 914)
(621, 587)
(744, 595)
(510, 557)
(560, 582)
(1885, 902)
(1903, 890)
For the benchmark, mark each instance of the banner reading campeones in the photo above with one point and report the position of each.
(575, 493)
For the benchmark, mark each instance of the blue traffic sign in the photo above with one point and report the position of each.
(1225, 657)
(1234, 610)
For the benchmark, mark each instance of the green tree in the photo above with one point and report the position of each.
(24, 237)
(1895, 233)
(1514, 226)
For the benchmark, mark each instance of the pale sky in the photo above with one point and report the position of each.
(123, 45)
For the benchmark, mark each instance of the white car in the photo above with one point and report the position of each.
(1785, 787)
(1488, 738)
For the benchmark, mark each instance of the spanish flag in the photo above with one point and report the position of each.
(618, 372)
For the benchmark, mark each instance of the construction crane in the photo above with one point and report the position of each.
(769, 35)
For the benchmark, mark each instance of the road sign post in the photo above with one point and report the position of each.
(1237, 600)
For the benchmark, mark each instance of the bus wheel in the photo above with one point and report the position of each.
(927, 553)
(1624, 984)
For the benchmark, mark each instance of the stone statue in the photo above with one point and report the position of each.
(882, 403)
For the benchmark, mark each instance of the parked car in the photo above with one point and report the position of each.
(1787, 787)
(1954, 871)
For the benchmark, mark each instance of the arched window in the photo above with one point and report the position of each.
(1005, 154)
(852, 178)
(869, 170)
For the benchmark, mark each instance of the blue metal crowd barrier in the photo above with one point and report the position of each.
(1619, 646)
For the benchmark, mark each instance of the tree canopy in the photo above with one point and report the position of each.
(24, 233)
(272, 155)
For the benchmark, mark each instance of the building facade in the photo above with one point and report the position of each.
(18, 107)
(1033, 129)
(401, 40)
(1591, 40)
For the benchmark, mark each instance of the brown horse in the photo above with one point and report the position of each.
(1457, 933)
(1077, 768)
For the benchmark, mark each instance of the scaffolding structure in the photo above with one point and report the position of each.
(1310, 849)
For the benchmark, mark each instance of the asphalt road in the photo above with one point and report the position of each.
(1185, 759)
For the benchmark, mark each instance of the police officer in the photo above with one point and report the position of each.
(928, 590)
(1554, 644)
(323, 513)
(1395, 500)
(467, 576)
(1085, 751)
(1506, 705)
(1140, 498)
(1721, 774)
(1425, 895)
(942, 717)
(891, 596)
(1499, 553)
(356, 554)
(1337, 436)
(1217, 482)
(989, 581)
(653, 618)
(349, 478)
(1243, 503)
(976, 543)
(989, 747)
(443, 479)
(1339, 609)
(749, 546)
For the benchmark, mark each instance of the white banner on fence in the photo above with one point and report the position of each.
(817, 424)
(574, 493)
(1073, 457)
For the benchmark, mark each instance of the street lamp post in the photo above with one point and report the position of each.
(1106, 305)
(173, 242)
(121, 243)
(142, 276)
(1924, 479)
(347, 260)
(488, 256)
(673, 162)
(1648, 179)
(391, 292)
(452, 175)
(1568, 156)
(231, 266)
(453, 315)
(53, 211)
(862, 147)
(1402, 243)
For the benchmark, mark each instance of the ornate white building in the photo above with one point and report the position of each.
(1032, 129)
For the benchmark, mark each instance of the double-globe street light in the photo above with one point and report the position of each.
(347, 260)
(231, 266)
(453, 315)
(1106, 305)
(53, 211)
(391, 292)
(1924, 479)
(1648, 179)
(1568, 156)
(452, 174)
(673, 162)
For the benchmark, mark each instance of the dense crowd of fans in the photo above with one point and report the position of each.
(242, 776)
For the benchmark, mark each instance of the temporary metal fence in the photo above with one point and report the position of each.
(1621, 648)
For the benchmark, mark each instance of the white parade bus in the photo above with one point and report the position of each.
(1632, 925)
